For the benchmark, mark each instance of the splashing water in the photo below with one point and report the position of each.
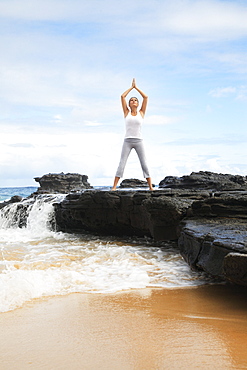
(36, 261)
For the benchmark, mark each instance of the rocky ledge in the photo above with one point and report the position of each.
(205, 212)
(206, 180)
(62, 183)
(14, 199)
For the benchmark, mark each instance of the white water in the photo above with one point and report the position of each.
(37, 262)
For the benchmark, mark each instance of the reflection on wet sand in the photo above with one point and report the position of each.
(191, 328)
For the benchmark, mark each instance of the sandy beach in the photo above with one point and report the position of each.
(189, 328)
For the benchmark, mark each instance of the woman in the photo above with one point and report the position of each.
(133, 139)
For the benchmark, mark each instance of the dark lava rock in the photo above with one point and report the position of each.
(214, 236)
(165, 214)
(107, 212)
(205, 243)
(157, 214)
(14, 199)
(235, 268)
(133, 183)
(222, 204)
(62, 183)
(206, 180)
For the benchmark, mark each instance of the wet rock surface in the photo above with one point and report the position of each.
(235, 268)
(206, 244)
(213, 235)
(14, 199)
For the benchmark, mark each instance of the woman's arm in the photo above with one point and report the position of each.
(123, 100)
(145, 99)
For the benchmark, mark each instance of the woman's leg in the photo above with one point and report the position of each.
(126, 149)
(115, 182)
(139, 147)
(149, 181)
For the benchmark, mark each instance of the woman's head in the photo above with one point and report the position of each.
(133, 101)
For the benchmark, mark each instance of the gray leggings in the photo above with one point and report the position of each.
(128, 145)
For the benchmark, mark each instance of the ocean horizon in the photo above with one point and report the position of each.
(22, 191)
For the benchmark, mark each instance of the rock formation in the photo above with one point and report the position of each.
(206, 180)
(14, 199)
(205, 244)
(134, 212)
(62, 183)
(134, 183)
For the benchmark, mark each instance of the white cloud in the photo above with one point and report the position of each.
(211, 19)
(60, 10)
(213, 165)
(21, 145)
(91, 154)
(230, 61)
(220, 92)
(92, 123)
(159, 120)
(239, 92)
(242, 93)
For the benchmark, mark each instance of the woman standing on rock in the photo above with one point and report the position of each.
(133, 139)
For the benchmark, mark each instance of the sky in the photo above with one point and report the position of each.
(65, 63)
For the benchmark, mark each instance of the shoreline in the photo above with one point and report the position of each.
(200, 327)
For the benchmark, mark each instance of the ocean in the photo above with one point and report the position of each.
(7, 193)
(37, 261)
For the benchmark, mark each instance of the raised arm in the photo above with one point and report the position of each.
(144, 96)
(123, 99)
(144, 101)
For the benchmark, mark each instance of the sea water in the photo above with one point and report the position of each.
(7, 193)
(37, 261)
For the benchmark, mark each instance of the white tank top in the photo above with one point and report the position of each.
(133, 126)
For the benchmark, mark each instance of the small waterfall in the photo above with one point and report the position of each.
(36, 214)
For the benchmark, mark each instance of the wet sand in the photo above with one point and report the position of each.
(189, 328)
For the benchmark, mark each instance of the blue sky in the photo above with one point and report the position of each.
(65, 63)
